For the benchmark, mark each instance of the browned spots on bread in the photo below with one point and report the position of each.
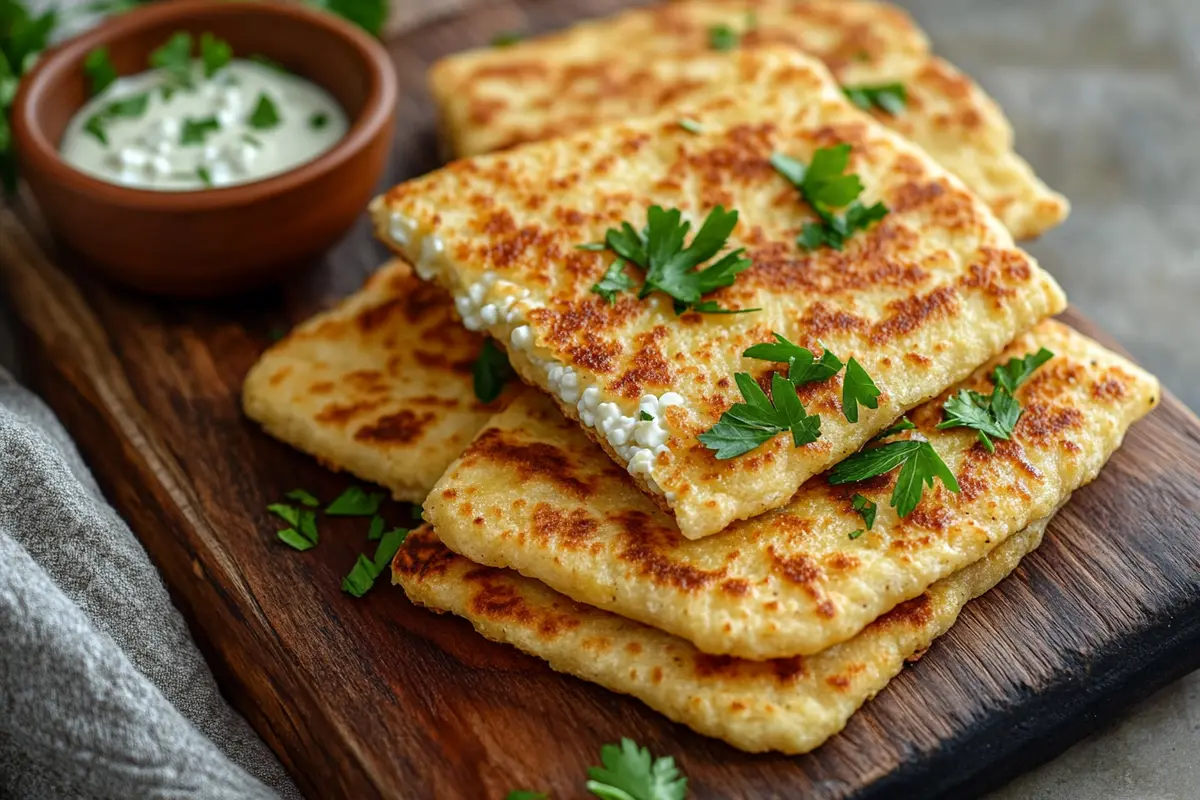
(423, 555)
(571, 530)
(280, 375)
(646, 545)
(648, 368)
(914, 613)
(403, 427)
(737, 587)
(527, 460)
(909, 314)
(341, 414)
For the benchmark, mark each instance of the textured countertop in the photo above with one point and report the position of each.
(1104, 96)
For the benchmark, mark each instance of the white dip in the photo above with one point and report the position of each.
(246, 122)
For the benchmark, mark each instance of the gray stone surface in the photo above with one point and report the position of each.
(1104, 96)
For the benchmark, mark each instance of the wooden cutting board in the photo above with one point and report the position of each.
(374, 698)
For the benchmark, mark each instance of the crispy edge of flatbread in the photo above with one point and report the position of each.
(791, 705)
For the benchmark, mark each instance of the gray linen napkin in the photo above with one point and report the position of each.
(102, 692)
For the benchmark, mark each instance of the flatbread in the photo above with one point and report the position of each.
(642, 61)
(791, 704)
(379, 386)
(534, 495)
(920, 299)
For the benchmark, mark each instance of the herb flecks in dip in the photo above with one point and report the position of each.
(197, 123)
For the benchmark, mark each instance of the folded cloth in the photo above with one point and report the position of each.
(103, 694)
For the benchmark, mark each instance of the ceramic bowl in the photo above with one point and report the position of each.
(214, 241)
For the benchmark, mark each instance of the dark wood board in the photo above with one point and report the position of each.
(373, 698)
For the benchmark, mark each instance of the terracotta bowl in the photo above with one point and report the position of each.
(217, 240)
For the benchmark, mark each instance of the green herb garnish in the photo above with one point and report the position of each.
(252, 140)
(631, 773)
(645, 417)
(362, 576)
(214, 54)
(99, 69)
(614, 281)
(294, 539)
(759, 419)
(95, 126)
(195, 131)
(825, 188)
(175, 58)
(491, 371)
(899, 427)
(920, 465)
(318, 120)
(302, 496)
(891, 97)
(507, 38)
(803, 366)
(204, 175)
(691, 126)
(265, 116)
(526, 794)
(857, 390)
(375, 531)
(866, 508)
(855, 534)
(302, 522)
(370, 15)
(355, 502)
(723, 38)
(130, 107)
(995, 415)
(672, 268)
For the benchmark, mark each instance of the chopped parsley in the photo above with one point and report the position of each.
(362, 576)
(855, 534)
(370, 15)
(614, 281)
(672, 268)
(318, 120)
(526, 794)
(302, 532)
(264, 116)
(824, 187)
(204, 175)
(375, 531)
(95, 126)
(214, 54)
(252, 140)
(690, 125)
(723, 38)
(919, 465)
(890, 97)
(175, 58)
(99, 69)
(195, 131)
(899, 427)
(866, 508)
(995, 415)
(857, 390)
(304, 497)
(507, 38)
(747, 425)
(355, 502)
(491, 371)
(644, 417)
(130, 107)
(630, 772)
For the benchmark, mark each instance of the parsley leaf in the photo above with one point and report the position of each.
(491, 371)
(195, 131)
(802, 364)
(747, 425)
(204, 175)
(891, 97)
(175, 58)
(95, 126)
(99, 69)
(614, 281)
(855, 534)
(301, 519)
(645, 417)
(375, 532)
(995, 415)
(302, 496)
(1018, 370)
(899, 427)
(866, 508)
(824, 187)
(355, 502)
(857, 390)
(370, 15)
(629, 772)
(919, 465)
(690, 125)
(294, 540)
(362, 576)
(723, 38)
(506, 38)
(214, 54)
(264, 116)
(672, 268)
(318, 120)
(526, 794)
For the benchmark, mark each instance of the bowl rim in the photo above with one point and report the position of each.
(40, 155)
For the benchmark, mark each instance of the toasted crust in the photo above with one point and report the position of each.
(532, 494)
(379, 386)
(920, 299)
(788, 704)
(643, 61)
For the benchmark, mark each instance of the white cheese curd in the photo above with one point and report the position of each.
(218, 132)
(496, 305)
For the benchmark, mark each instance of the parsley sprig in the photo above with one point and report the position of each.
(491, 372)
(803, 367)
(919, 465)
(366, 570)
(890, 97)
(669, 266)
(824, 187)
(630, 772)
(747, 425)
(995, 415)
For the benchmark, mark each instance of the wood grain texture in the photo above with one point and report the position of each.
(373, 698)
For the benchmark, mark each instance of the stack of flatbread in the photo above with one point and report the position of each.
(581, 518)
